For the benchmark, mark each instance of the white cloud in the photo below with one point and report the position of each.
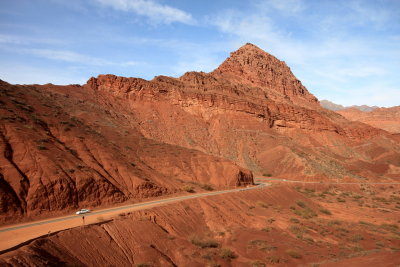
(364, 14)
(69, 56)
(33, 75)
(284, 6)
(23, 40)
(261, 30)
(336, 64)
(154, 11)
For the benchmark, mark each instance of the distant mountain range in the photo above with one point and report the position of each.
(335, 107)
(387, 119)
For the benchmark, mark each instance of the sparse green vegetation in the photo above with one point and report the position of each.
(189, 189)
(275, 259)
(334, 222)
(206, 187)
(390, 227)
(294, 254)
(298, 230)
(306, 213)
(41, 147)
(227, 254)
(258, 263)
(301, 204)
(207, 243)
(325, 211)
(266, 229)
(357, 237)
(262, 204)
(261, 245)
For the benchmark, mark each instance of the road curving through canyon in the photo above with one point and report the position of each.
(14, 236)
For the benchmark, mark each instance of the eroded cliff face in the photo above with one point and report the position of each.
(387, 119)
(63, 148)
(251, 66)
(119, 139)
(254, 111)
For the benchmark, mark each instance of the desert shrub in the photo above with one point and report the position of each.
(143, 265)
(343, 230)
(262, 204)
(340, 199)
(306, 213)
(301, 204)
(227, 254)
(294, 220)
(266, 229)
(275, 259)
(188, 188)
(267, 175)
(365, 223)
(357, 237)
(334, 222)
(298, 230)
(258, 263)
(40, 147)
(207, 256)
(294, 254)
(207, 187)
(325, 211)
(261, 245)
(72, 151)
(207, 243)
(390, 227)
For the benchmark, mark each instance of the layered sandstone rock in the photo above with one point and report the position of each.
(384, 118)
(64, 148)
(120, 139)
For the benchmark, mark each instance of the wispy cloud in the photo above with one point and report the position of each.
(70, 57)
(154, 11)
(346, 56)
(24, 40)
(288, 7)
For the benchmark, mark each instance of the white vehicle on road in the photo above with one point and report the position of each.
(82, 211)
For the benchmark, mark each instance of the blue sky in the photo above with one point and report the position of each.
(344, 51)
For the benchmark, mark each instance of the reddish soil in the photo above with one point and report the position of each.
(283, 225)
(118, 139)
(384, 118)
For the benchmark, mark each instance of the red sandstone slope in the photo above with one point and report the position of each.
(116, 139)
(253, 111)
(278, 226)
(384, 118)
(65, 148)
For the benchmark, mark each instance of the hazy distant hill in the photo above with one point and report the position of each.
(335, 107)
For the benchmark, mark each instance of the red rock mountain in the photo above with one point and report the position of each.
(384, 118)
(119, 139)
(335, 107)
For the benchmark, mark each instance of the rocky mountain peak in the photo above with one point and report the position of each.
(253, 66)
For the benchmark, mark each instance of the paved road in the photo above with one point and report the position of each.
(261, 179)
(14, 235)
